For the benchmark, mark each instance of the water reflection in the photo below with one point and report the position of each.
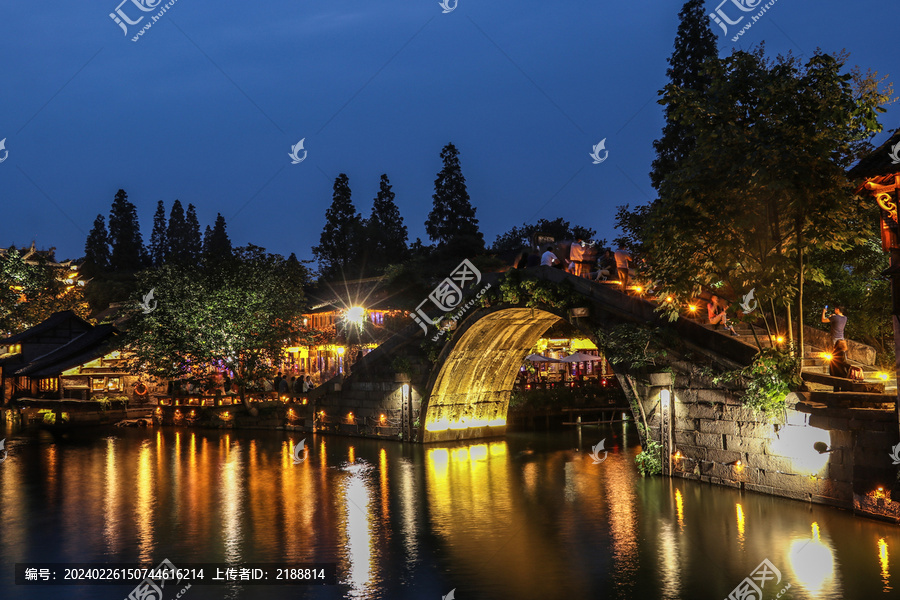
(812, 563)
(525, 517)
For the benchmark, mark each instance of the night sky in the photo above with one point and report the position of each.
(207, 104)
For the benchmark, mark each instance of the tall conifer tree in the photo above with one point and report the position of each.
(126, 244)
(452, 217)
(158, 242)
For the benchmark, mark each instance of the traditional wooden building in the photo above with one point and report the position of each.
(65, 357)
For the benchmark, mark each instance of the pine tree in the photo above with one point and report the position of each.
(452, 218)
(96, 247)
(341, 239)
(192, 229)
(176, 236)
(695, 43)
(126, 244)
(216, 245)
(158, 240)
(386, 234)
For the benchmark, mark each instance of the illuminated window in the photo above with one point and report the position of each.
(49, 384)
(114, 384)
(98, 384)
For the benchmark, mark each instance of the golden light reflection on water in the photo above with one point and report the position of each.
(358, 531)
(812, 563)
(739, 510)
(669, 557)
(406, 482)
(144, 504)
(619, 480)
(679, 508)
(111, 524)
(231, 499)
(883, 561)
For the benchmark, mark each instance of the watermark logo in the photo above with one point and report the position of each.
(296, 159)
(3, 449)
(751, 588)
(448, 296)
(145, 305)
(445, 4)
(596, 452)
(721, 18)
(596, 153)
(6, 152)
(894, 153)
(151, 588)
(123, 20)
(298, 451)
(895, 454)
(745, 303)
(450, 596)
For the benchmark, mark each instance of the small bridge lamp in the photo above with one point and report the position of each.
(665, 397)
(822, 448)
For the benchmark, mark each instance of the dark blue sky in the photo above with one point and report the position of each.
(206, 106)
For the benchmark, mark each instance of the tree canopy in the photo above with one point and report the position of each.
(237, 314)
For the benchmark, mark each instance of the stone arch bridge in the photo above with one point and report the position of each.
(397, 391)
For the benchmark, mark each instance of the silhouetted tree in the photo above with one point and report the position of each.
(452, 218)
(559, 229)
(216, 245)
(341, 239)
(177, 236)
(158, 240)
(96, 247)
(126, 244)
(194, 242)
(695, 43)
(386, 234)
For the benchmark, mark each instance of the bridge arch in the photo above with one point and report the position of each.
(468, 391)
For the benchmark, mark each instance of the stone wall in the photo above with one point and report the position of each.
(716, 440)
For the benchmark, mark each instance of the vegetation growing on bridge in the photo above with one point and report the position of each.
(768, 380)
(649, 460)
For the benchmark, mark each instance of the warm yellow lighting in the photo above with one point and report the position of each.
(740, 521)
(321, 413)
(798, 444)
(639, 289)
(692, 307)
(382, 418)
(678, 455)
(464, 423)
(679, 507)
(883, 561)
(828, 356)
(356, 314)
(738, 463)
(882, 376)
(669, 298)
(350, 416)
(812, 562)
(779, 339)
(879, 493)
(341, 350)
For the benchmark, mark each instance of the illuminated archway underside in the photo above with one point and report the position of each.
(470, 395)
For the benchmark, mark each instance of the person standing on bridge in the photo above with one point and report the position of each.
(838, 322)
(549, 259)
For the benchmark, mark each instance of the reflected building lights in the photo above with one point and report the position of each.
(679, 508)
(740, 523)
(231, 501)
(357, 500)
(144, 505)
(111, 499)
(883, 561)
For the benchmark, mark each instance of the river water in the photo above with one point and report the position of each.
(527, 516)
